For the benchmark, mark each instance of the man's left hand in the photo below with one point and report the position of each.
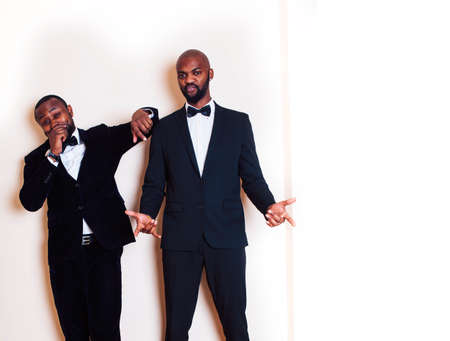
(141, 125)
(276, 213)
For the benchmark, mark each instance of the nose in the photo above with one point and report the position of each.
(53, 122)
(190, 78)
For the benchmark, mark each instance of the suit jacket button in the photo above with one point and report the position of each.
(80, 207)
(77, 185)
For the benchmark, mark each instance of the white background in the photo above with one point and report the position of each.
(350, 111)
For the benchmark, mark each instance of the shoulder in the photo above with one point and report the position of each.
(235, 116)
(38, 152)
(231, 113)
(171, 119)
(96, 130)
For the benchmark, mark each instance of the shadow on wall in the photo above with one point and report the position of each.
(16, 205)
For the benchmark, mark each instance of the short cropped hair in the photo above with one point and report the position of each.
(47, 98)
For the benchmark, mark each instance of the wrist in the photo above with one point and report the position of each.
(55, 157)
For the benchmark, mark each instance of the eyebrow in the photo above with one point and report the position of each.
(194, 69)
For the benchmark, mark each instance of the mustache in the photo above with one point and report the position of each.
(61, 125)
(190, 84)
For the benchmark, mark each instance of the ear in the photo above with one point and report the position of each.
(211, 74)
(69, 109)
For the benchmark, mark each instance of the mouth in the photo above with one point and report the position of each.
(61, 126)
(191, 88)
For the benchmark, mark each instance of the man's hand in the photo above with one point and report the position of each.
(56, 137)
(140, 125)
(276, 213)
(145, 223)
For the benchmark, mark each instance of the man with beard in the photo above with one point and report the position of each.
(74, 170)
(200, 153)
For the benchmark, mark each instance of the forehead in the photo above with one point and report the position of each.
(192, 62)
(51, 103)
(48, 106)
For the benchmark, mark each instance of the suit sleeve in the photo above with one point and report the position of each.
(121, 138)
(250, 172)
(38, 180)
(155, 177)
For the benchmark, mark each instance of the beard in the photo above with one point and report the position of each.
(199, 94)
(70, 128)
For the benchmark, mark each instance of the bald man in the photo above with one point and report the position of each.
(199, 154)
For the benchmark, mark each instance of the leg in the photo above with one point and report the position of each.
(225, 271)
(104, 287)
(182, 274)
(70, 300)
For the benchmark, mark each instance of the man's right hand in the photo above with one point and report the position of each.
(145, 223)
(56, 137)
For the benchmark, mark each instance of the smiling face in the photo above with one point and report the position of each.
(194, 75)
(54, 113)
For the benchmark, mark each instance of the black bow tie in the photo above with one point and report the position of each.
(72, 141)
(191, 111)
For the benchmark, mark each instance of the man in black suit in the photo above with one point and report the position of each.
(74, 170)
(200, 153)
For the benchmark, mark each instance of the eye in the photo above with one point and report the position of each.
(56, 114)
(197, 72)
(181, 75)
(45, 122)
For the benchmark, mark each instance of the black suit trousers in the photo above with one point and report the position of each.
(88, 294)
(225, 273)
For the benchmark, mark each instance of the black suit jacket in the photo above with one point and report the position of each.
(94, 196)
(209, 205)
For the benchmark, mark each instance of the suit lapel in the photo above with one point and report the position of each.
(216, 134)
(186, 137)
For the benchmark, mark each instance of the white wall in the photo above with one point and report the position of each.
(107, 59)
(369, 84)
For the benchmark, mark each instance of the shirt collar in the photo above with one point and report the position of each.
(76, 133)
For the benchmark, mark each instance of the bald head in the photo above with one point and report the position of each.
(194, 74)
(193, 54)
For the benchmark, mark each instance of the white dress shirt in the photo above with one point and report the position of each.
(71, 159)
(200, 129)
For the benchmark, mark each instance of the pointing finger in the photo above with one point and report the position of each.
(290, 220)
(289, 201)
(155, 234)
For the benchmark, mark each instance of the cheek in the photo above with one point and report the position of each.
(46, 129)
